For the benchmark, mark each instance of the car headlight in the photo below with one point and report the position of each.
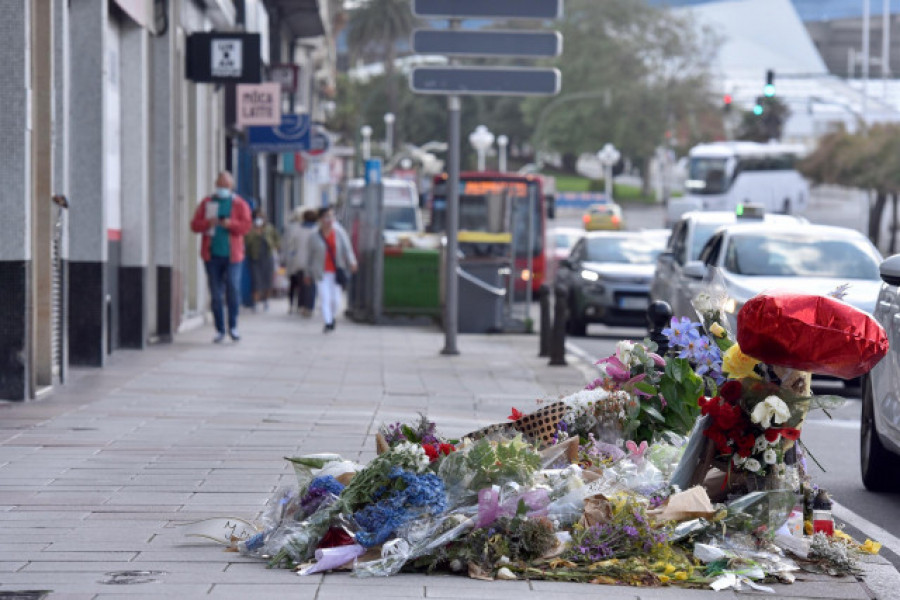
(590, 275)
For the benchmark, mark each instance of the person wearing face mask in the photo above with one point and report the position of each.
(262, 244)
(223, 219)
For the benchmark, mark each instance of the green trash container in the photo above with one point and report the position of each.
(412, 281)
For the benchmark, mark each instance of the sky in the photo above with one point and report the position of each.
(811, 10)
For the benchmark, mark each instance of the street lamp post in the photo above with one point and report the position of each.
(502, 143)
(481, 139)
(608, 156)
(388, 136)
(366, 132)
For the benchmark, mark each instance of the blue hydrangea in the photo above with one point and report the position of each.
(416, 494)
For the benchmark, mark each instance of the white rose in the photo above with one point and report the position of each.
(761, 444)
(625, 352)
(770, 457)
(738, 459)
(752, 465)
(772, 409)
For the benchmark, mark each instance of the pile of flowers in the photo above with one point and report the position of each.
(623, 492)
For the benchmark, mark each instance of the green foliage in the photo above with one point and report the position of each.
(681, 387)
(768, 125)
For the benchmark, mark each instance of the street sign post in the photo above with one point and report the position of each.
(460, 42)
(488, 9)
(485, 81)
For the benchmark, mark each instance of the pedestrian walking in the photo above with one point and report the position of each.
(294, 252)
(223, 219)
(329, 264)
(262, 244)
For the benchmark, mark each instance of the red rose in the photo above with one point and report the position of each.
(745, 444)
(431, 451)
(515, 415)
(731, 391)
(446, 448)
(727, 416)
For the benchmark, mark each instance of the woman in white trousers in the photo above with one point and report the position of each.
(329, 251)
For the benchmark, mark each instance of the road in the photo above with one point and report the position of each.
(833, 442)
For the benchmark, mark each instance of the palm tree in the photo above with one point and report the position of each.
(374, 28)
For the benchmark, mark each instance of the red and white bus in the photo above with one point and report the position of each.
(493, 214)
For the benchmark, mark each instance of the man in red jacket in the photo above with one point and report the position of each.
(223, 219)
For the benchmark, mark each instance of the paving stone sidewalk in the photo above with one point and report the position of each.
(98, 479)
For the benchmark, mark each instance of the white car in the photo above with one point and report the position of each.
(402, 215)
(690, 233)
(805, 258)
(879, 439)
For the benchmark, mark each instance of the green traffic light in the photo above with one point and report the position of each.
(758, 110)
(769, 90)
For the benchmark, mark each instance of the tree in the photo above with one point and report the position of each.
(765, 126)
(630, 74)
(868, 160)
(373, 31)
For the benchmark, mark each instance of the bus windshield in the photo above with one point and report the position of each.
(707, 175)
(492, 206)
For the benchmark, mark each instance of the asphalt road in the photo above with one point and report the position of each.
(834, 441)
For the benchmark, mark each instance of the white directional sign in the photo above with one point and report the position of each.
(485, 81)
(483, 42)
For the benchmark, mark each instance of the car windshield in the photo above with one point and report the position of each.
(788, 255)
(708, 175)
(400, 218)
(636, 250)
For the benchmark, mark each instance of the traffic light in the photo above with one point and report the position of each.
(726, 102)
(769, 89)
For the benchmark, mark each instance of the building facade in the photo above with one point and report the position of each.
(106, 149)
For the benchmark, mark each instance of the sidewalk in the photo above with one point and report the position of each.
(96, 479)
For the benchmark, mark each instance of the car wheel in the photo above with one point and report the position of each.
(878, 466)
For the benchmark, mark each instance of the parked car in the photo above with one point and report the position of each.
(690, 233)
(603, 216)
(608, 275)
(813, 259)
(879, 434)
(402, 215)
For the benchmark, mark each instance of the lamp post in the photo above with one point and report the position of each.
(388, 136)
(608, 157)
(481, 139)
(502, 143)
(366, 132)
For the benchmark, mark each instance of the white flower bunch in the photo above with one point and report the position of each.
(625, 354)
(409, 455)
(771, 410)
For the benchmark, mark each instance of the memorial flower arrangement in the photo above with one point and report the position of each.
(612, 484)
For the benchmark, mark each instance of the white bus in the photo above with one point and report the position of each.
(722, 175)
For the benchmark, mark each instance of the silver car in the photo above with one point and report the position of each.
(690, 233)
(812, 259)
(879, 438)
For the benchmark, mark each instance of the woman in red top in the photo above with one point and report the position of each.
(329, 251)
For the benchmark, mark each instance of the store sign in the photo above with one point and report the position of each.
(258, 104)
(286, 76)
(291, 135)
(216, 57)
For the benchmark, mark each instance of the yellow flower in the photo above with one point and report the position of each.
(664, 579)
(807, 527)
(681, 576)
(717, 330)
(669, 569)
(737, 364)
(841, 535)
(870, 547)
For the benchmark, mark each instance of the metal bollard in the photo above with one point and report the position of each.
(558, 335)
(659, 316)
(544, 298)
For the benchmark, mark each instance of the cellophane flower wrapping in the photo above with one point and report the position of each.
(811, 333)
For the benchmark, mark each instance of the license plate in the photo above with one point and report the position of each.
(634, 302)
